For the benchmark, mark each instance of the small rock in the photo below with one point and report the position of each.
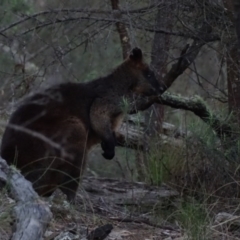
(66, 236)
(226, 219)
(48, 233)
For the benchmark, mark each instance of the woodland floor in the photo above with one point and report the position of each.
(135, 210)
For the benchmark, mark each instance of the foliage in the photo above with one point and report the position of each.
(193, 217)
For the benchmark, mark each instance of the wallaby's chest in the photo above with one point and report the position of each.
(117, 122)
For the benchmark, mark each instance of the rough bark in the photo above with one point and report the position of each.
(155, 114)
(121, 28)
(159, 58)
(32, 215)
(233, 58)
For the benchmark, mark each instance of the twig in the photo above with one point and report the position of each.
(145, 221)
(78, 10)
(208, 38)
(71, 10)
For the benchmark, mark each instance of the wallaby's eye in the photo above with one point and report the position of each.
(148, 74)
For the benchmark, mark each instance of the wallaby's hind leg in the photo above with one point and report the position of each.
(70, 186)
(73, 173)
(74, 164)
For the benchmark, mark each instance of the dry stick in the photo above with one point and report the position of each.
(32, 214)
(144, 221)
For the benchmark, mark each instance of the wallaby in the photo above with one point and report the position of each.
(51, 132)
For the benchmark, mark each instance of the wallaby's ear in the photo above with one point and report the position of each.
(136, 54)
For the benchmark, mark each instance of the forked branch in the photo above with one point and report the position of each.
(195, 105)
(188, 55)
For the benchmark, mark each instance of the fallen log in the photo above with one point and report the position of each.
(32, 214)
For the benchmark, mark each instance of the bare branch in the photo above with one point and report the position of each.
(208, 38)
(70, 49)
(37, 135)
(78, 10)
(199, 108)
(188, 55)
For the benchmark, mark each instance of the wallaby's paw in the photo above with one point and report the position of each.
(108, 155)
(108, 149)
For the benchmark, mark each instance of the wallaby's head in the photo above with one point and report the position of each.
(146, 82)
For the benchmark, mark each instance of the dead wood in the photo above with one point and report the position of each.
(32, 214)
(131, 134)
(200, 109)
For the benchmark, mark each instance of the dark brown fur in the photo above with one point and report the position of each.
(75, 116)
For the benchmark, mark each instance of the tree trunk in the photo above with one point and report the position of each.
(233, 58)
(122, 30)
(155, 115)
(159, 58)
